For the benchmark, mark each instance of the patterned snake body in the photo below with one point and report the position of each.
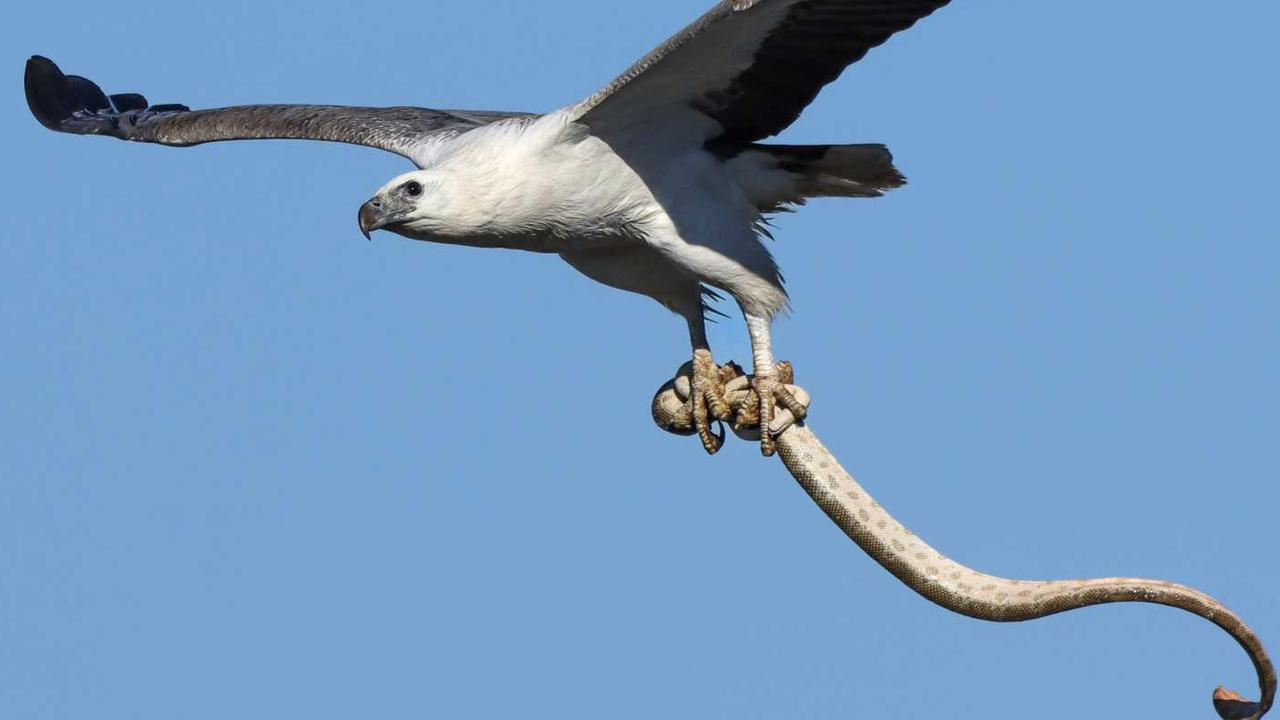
(964, 590)
(961, 589)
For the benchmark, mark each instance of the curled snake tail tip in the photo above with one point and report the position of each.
(1232, 706)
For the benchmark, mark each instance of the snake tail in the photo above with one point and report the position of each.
(961, 589)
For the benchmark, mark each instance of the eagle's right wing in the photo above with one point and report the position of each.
(73, 104)
(746, 69)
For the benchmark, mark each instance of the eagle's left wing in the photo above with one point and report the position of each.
(73, 104)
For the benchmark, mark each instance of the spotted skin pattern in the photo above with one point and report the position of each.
(961, 589)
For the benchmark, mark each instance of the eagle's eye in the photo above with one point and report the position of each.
(413, 188)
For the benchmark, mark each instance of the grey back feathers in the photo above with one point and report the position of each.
(73, 104)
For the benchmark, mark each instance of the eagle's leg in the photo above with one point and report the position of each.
(706, 389)
(769, 381)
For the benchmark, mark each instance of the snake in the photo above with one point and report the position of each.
(950, 584)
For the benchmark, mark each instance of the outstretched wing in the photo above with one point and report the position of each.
(751, 66)
(73, 104)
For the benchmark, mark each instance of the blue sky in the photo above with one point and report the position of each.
(254, 466)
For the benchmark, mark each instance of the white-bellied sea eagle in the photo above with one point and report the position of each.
(657, 184)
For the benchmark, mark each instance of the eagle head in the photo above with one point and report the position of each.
(411, 205)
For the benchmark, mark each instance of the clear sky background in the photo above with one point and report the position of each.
(252, 466)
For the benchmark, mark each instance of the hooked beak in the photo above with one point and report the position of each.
(372, 216)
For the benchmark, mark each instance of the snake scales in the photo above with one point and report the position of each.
(946, 582)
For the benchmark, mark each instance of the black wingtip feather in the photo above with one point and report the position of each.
(88, 94)
(125, 102)
(49, 94)
(57, 99)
